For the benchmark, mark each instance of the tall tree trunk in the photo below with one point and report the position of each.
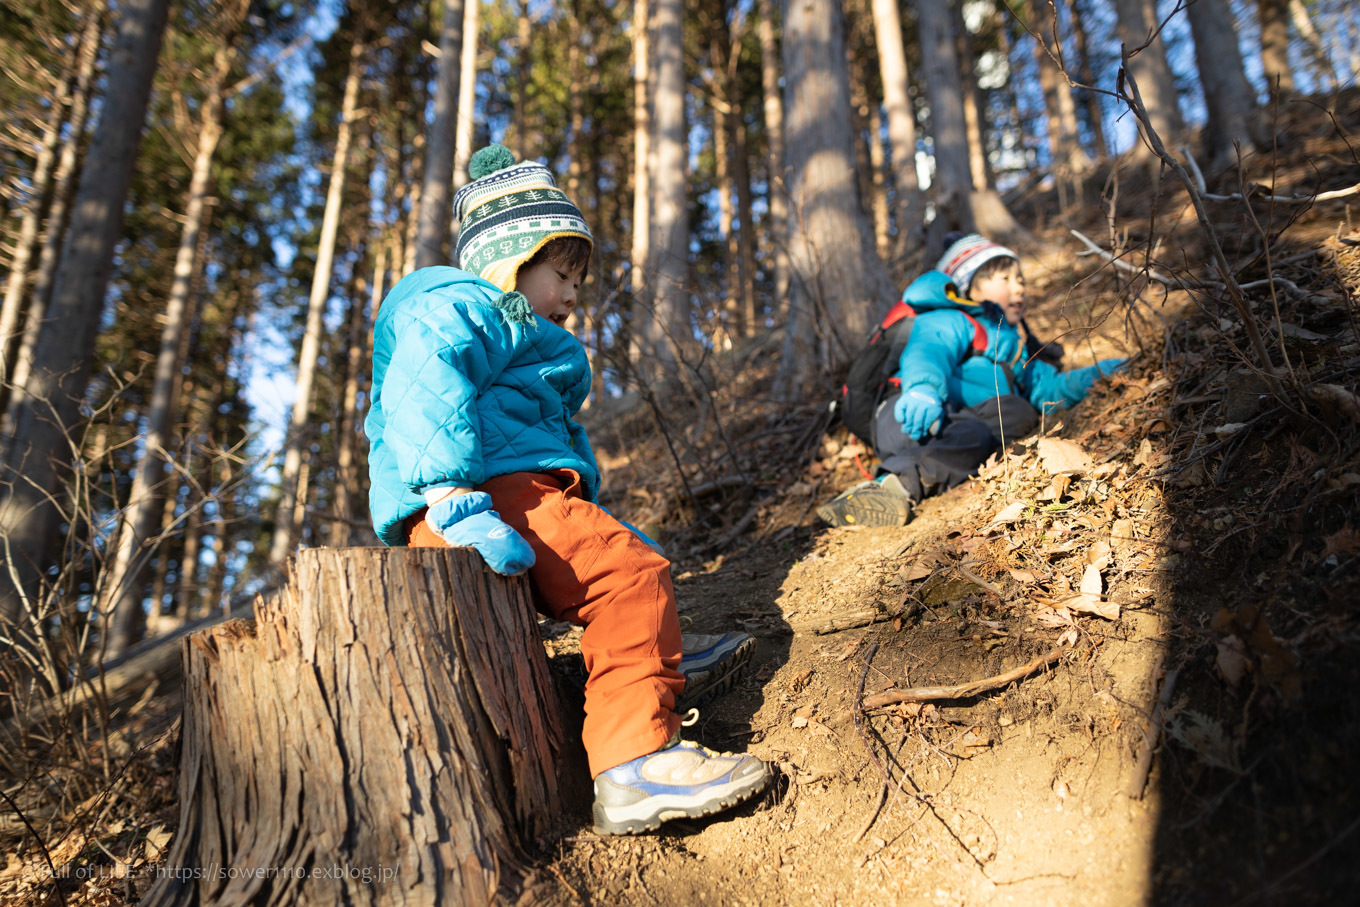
(1137, 22)
(1274, 15)
(62, 359)
(960, 205)
(669, 247)
(746, 243)
(291, 497)
(728, 326)
(1228, 96)
(20, 346)
(972, 107)
(1324, 74)
(140, 517)
(467, 91)
(892, 64)
(520, 115)
(640, 252)
(350, 422)
(1064, 141)
(841, 282)
(868, 146)
(432, 234)
(40, 194)
(777, 221)
(1090, 97)
(576, 102)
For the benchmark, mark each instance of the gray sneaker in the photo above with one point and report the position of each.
(681, 780)
(711, 665)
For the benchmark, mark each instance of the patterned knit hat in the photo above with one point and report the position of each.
(507, 213)
(966, 255)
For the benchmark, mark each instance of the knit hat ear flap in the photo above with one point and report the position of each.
(507, 213)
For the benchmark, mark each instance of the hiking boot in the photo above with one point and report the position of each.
(711, 664)
(869, 504)
(682, 780)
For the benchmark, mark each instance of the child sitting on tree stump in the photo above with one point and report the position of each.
(475, 383)
(967, 381)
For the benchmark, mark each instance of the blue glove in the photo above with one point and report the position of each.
(467, 521)
(651, 542)
(918, 410)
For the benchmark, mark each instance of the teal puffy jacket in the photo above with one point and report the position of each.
(461, 395)
(939, 356)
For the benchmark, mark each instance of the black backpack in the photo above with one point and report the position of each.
(873, 373)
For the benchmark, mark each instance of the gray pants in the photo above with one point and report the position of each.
(966, 438)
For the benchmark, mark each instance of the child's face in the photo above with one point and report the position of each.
(1006, 288)
(551, 289)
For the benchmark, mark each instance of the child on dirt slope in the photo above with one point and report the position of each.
(475, 382)
(958, 403)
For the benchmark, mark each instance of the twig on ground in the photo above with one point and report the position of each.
(849, 620)
(873, 814)
(859, 729)
(1280, 199)
(962, 690)
(1143, 766)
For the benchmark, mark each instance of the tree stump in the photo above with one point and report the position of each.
(386, 731)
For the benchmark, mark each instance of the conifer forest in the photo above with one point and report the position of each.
(1120, 665)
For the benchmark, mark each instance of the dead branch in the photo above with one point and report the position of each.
(1280, 199)
(962, 690)
(1143, 766)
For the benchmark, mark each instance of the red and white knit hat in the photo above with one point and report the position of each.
(968, 253)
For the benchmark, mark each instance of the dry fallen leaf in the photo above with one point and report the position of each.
(1023, 576)
(1090, 600)
(1097, 556)
(1009, 514)
(1061, 456)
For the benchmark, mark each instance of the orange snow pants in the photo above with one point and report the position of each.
(591, 570)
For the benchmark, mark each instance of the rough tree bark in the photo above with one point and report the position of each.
(668, 269)
(776, 223)
(386, 731)
(1138, 30)
(961, 205)
(640, 251)
(1274, 16)
(841, 282)
(892, 63)
(1069, 158)
(1228, 96)
(467, 92)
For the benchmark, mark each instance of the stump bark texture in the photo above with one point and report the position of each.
(386, 731)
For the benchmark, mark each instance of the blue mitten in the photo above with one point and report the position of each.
(467, 521)
(651, 542)
(918, 409)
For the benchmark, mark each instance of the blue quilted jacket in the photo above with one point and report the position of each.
(461, 395)
(939, 356)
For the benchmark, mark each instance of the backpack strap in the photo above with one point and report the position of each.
(979, 345)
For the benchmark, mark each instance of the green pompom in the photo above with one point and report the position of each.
(489, 160)
(515, 305)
